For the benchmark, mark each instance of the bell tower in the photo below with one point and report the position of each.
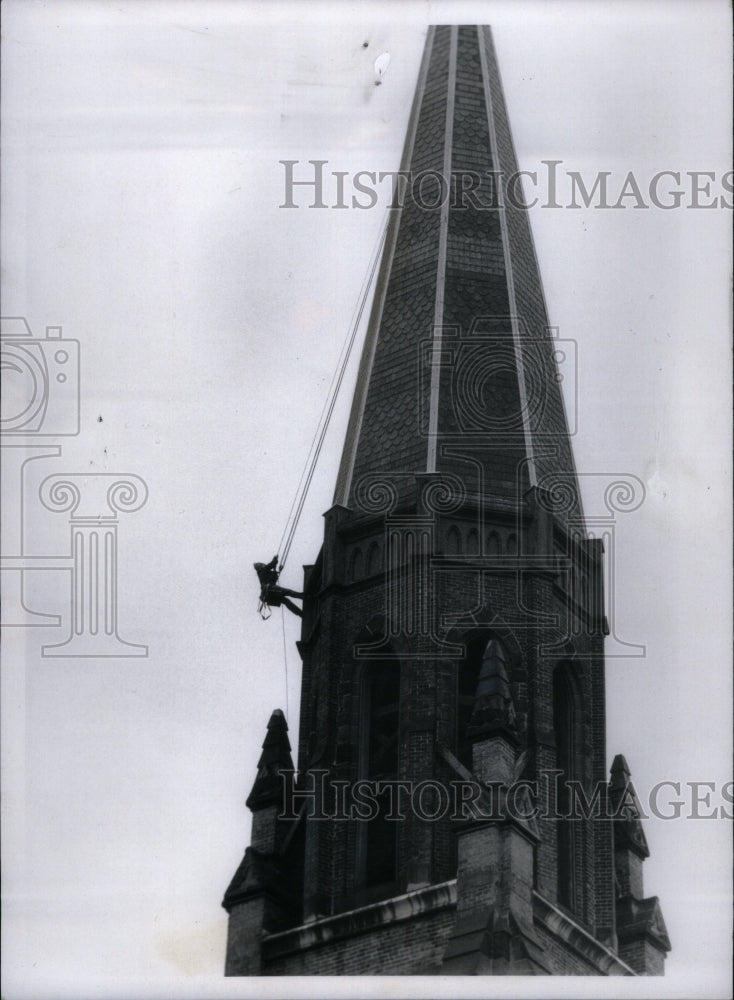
(451, 812)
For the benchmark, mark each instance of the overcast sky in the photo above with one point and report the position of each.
(141, 194)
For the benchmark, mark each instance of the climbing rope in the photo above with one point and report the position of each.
(312, 458)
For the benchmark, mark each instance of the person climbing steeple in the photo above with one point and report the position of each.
(271, 594)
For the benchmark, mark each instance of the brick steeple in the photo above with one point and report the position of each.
(453, 695)
(458, 350)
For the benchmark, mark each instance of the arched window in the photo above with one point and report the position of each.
(494, 546)
(486, 660)
(512, 544)
(355, 565)
(565, 725)
(379, 762)
(373, 558)
(453, 541)
(472, 542)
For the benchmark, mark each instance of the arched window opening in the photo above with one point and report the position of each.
(453, 541)
(373, 558)
(494, 546)
(381, 694)
(512, 544)
(355, 565)
(565, 724)
(472, 542)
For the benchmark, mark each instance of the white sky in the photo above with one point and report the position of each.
(141, 187)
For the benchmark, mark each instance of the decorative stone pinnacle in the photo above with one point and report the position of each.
(628, 832)
(275, 757)
(493, 706)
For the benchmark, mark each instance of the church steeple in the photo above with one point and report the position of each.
(458, 348)
(453, 694)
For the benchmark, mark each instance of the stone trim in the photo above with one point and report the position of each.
(566, 930)
(442, 255)
(494, 152)
(361, 920)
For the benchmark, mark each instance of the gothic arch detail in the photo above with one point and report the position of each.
(453, 541)
(355, 565)
(495, 651)
(374, 558)
(472, 542)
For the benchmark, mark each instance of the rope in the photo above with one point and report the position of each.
(318, 439)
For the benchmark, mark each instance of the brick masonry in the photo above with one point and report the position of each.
(420, 568)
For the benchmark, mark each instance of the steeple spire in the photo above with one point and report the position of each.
(458, 350)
